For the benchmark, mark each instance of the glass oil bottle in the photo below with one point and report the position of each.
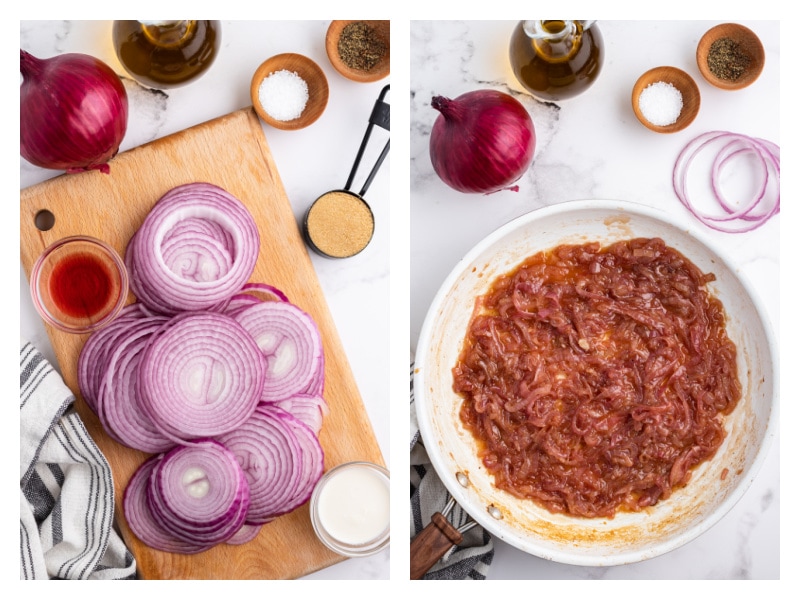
(166, 54)
(556, 60)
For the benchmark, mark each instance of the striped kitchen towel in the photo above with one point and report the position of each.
(66, 511)
(473, 556)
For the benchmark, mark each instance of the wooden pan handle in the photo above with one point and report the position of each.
(431, 544)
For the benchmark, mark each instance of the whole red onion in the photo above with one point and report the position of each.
(73, 112)
(482, 142)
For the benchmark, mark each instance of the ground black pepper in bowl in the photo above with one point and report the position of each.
(727, 60)
(360, 47)
(359, 50)
(730, 56)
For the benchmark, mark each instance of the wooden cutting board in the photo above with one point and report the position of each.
(232, 153)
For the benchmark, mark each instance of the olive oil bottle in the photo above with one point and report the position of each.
(166, 54)
(556, 60)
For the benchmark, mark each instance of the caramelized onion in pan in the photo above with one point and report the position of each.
(596, 378)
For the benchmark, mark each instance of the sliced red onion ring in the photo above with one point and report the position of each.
(316, 386)
(199, 493)
(722, 157)
(197, 259)
(238, 302)
(246, 533)
(264, 291)
(312, 455)
(118, 405)
(726, 154)
(253, 293)
(94, 352)
(762, 206)
(173, 269)
(268, 453)
(141, 521)
(290, 340)
(311, 409)
(201, 376)
(198, 227)
(281, 458)
(178, 371)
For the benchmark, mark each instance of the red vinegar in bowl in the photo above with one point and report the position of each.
(79, 284)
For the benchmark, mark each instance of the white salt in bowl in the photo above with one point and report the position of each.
(285, 94)
(679, 80)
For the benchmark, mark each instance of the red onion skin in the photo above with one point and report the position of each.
(482, 142)
(73, 112)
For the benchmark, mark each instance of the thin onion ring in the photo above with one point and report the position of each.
(231, 230)
(720, 161)
(118, 406)
(214, 348)
(291, 343)
(199, 493)
(748, 220)
(140, 518)
(282, 460)
(119, 355)
(702, 143)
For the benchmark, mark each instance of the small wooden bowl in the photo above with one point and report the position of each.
(379, 70)
(684, 84)
(305, 68)
(748, 43)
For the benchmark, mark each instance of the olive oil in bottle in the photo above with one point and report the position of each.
(166, 54)
(556, 60)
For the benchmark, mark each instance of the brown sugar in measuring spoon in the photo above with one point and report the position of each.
(340, 223)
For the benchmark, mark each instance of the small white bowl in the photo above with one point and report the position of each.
(350, 509)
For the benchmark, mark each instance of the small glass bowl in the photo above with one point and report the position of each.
(359, 530)
(79, 284)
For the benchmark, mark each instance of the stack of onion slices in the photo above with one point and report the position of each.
(725, 148)
(155, 381)
(195, 249)
(227, 397)
(192, 497)
(223, 490)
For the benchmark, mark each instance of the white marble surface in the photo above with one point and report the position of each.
(588, 147)
(311, 162)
